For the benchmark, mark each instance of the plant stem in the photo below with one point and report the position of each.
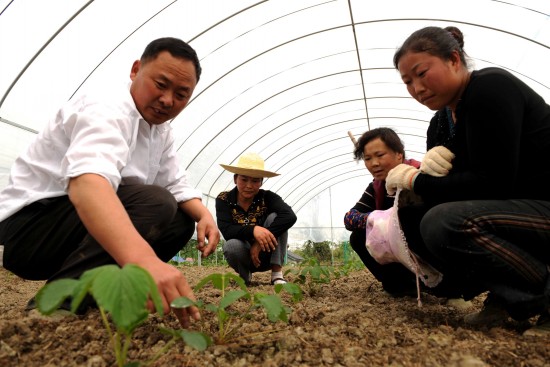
(160, 352)
(115, 341)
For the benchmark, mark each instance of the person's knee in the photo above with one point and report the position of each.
(232, 248)
(163, 200)
(436, 228)
(149, 200)
(269, 219)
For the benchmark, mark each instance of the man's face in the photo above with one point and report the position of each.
(162, 87)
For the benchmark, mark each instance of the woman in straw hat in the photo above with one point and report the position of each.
(254, 222)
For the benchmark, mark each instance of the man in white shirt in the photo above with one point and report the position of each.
(101, 183)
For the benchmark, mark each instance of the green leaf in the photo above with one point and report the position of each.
(222, 315)
(274, 307)
(232, 296)
(124, 293)
(211, 307)
(85, 284)
(220, 281)
(315, 272)
(195, 339)
(52, 295)
(207, 279)
(182, 302)
(293, 289)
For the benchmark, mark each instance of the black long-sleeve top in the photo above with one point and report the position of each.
(235, 222)
(501, 142)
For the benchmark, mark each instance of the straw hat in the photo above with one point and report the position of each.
(251, 165)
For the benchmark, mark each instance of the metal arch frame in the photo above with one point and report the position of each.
(289, 181)
(362, 71)
(257, 105)
(288, 160)
(35, 56)
(325, 30)
(362, 170)
(291, 177)
(276, 165)
(353, 24)
(322, 186)
(267, 157)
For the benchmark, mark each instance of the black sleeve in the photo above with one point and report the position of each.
(439, 131)
(285, 215)
(367, 202)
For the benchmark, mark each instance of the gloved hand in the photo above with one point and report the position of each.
(437, 161)
(401, 177)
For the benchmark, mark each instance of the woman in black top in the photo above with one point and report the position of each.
(488, 217)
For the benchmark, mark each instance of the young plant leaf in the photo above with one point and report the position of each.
(84, 285)
(273, 306)
(194, 339)
(52, 295)
(182, 302)
(220, 281)
(293, 289)
(124, 294)
(232, 296)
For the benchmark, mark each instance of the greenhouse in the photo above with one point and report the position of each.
(298, 82)
(285, 79)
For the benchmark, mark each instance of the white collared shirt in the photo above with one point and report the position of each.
(105, 135)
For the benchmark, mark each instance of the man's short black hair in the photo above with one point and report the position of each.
(176, 47)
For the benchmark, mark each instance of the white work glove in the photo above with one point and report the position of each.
(437, 161)
(401, 177)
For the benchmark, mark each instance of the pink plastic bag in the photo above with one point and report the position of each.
(386, 243)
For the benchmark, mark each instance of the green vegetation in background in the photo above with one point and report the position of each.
(328, 252)
(190, 251)
(325, 252)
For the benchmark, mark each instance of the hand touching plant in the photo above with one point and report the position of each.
(121, 292)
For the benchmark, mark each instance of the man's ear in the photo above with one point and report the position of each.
(135, 68)
(235, 178)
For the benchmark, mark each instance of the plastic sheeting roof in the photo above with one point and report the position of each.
(285, 78)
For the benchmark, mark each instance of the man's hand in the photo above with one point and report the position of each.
(401, 177)
(265, 238)
(171, 284)
(207, 230)
(206, 226)
(437, 161)
(255, 250)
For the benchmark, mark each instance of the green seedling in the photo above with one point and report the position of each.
(351, 266)
(230, 320)
(312, 275)
(123, 294)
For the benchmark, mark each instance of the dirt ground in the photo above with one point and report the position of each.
(349, 322)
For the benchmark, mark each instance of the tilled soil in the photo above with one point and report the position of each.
(348, 322)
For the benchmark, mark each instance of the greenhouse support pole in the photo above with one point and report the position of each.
(331, 229)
